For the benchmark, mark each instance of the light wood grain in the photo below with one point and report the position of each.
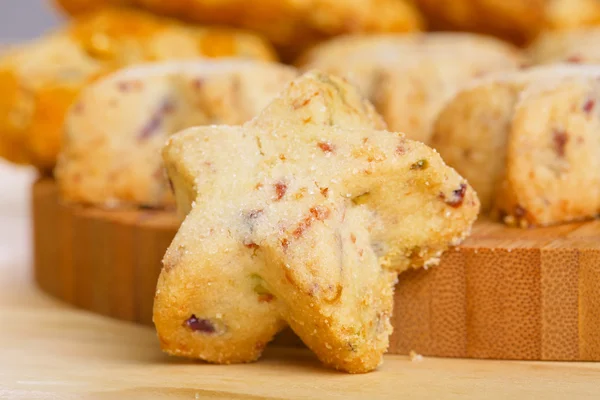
(505, 293)
(50, 350)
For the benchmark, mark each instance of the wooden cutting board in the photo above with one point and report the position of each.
(505, 293)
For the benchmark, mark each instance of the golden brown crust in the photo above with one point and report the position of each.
(515, 20)
(39, 81)
(528, 142)
(410, 77)
(304, 217)
(292, 25)
(114, 133)
(570, 14)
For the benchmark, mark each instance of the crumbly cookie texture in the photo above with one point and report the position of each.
(577, 46)
(303, 216)
(116, 129)
(410, 77)
(528, 142)
(515, 20)
(39, 81)
(292, 25)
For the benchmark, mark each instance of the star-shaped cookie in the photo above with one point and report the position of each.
(303, 216)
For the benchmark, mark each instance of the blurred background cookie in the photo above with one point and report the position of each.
(115, 131)
(39, 80)
(578, 46)
(528, 142)
(516, 20)
(409, 77)
(292, 25)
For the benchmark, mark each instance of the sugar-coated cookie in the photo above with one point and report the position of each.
(410, 77)
(529, 143)
(40, 80)
(303, 216)
(115, 130)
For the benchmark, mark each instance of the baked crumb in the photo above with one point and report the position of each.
(415, 357)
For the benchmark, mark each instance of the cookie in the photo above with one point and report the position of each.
(40, 80)
(514, 20)
(528, 142)
(571, 14)
(303, 216)
(115, 130)
(292, 25)
(578, 46)
(409, 78)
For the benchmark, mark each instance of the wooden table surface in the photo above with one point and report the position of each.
(51, 351)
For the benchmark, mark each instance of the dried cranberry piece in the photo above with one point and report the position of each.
(148, 130)
(200, 325)
(253, 214)
(251, 245)
(126, 86)
(520, 212)
(326, 147)
(589, 105)
(560, 138)
(280, 189)
(458, 196)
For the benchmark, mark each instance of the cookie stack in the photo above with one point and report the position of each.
(305, 188)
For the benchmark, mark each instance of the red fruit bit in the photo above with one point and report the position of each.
(253, 214)
(320, 213)
(524, 65)
(249, 219)
(520, 212)
(325, 192)
(326, 147)
(280, 189)
(316, 213)
(458, 196)
(251, 245)
(78, 108)
(400, 150)
(589, 105)
(560, 138)
(574, 59)
(200, 325)
(127, 86)
(159, 173)
(198, 83)
(266, 298)
(156, 120)
(285, 243)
